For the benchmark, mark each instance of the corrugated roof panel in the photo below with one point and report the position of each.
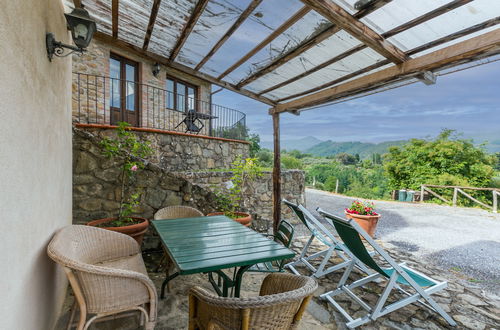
(216, 19)
(268, 16)
(171, 19)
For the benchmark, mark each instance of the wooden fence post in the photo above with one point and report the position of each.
(337, 186)
(421, 193)
(455, 193)
(495, 201)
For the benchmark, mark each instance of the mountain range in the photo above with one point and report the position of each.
(317, 147)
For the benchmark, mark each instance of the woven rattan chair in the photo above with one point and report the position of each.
(178, 211)
(106, 272)
(282, 301)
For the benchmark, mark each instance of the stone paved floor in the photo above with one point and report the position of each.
(470, 306)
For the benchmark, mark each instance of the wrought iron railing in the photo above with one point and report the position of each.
(105, 100)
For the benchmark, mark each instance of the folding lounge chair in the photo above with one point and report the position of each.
(396, 275)
(320, 232)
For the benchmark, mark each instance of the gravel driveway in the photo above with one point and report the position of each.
(463, 240)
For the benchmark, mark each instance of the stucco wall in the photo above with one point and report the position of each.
(35, 162)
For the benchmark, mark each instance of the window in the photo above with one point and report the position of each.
(181, 96)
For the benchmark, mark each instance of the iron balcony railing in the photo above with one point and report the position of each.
(105, 100)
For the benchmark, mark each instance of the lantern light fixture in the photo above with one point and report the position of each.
(156, 69)
(82, 29)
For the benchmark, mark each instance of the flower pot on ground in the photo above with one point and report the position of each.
(129, 151)
(364, 215)
(136, 227)
(244, 218)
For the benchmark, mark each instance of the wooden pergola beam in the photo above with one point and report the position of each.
(195, 15)
(306, 45)
(114, 18)
(276, 172)
(246, 13)
(338, 16)
(484, 45)
(276, 33)
(416, 50)
(77, 3)
(151, 24)
(401, 28)
(180, 67)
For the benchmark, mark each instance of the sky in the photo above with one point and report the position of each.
(467, 101)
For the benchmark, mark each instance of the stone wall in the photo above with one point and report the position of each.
(96, 185)
(177, 152)
(258, 198)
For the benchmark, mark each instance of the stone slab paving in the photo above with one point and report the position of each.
(470, 306)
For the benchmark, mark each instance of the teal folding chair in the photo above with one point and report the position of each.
(284, 236)
(397, 276)
(325, 236)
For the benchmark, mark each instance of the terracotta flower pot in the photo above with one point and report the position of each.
(136, 231)
(244, 218)
(367, 222)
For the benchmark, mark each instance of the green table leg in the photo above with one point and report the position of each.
(165, 282)
(238, 279)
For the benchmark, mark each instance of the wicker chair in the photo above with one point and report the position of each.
(282, 301)
(178, 211)
(106, 272)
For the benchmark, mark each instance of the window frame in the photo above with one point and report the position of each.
(187, 85)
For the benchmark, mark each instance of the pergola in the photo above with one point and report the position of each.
(294, 55)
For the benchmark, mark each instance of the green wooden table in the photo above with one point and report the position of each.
(210, 244)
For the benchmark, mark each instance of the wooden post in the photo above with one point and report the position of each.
(337, 186)
(495, 201)
(276, 173)
(422, 193)
(455, 193)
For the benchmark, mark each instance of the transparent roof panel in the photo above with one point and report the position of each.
(100, 11)
(310, 25)
(326, 50)
(398, 12)
(216, 19)
(266, 18)
(452, 42)
(463, 17)
(133, 19)
(171, 19)
(355, 62)
(347, 80)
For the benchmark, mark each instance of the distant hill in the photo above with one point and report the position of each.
(298, 144)
(364, 149)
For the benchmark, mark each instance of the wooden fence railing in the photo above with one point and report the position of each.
(458, 189)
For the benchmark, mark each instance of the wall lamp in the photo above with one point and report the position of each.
(156, 69)
(82, 29)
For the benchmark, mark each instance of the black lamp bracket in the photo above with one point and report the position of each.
(57, 48)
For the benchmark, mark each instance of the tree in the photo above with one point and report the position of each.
(254, 140)
(346, 159)
(446, 160)
(290, 162)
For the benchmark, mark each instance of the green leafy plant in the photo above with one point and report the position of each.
(127, 147)
(244, 171)
(361, 208)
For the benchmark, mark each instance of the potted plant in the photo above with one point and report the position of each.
(127, 148)
(244, 171)
(364, 215)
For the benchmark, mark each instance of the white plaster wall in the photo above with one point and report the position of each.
(35, 162)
